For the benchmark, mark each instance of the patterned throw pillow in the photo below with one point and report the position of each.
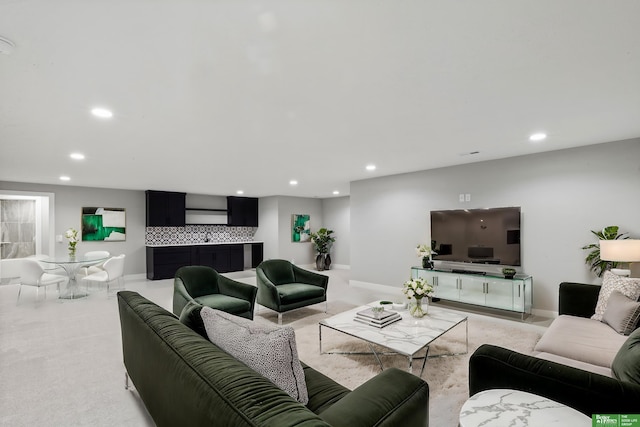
(629, 287)
(269, 350)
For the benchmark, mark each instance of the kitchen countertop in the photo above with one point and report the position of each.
(165, 245)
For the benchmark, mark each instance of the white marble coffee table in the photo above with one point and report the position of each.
(502, 407)
(406, 337)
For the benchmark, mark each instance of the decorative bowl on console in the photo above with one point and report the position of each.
(509, 273)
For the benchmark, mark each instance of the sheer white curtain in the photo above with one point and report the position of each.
(25, 224)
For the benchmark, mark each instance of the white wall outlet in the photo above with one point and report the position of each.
(461, 197)
(467, 197)
(59, 238)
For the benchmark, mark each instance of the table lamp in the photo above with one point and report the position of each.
(624, 250)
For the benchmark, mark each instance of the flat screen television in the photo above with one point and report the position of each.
(481, 236)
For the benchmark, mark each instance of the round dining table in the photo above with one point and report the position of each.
(71, 265)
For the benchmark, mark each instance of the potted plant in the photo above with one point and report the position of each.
(322, 241)
(597, 265)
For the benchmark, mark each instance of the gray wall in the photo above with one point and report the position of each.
(275, 227)
(337, 217)
(301, 253)
(563, 195)
(267, 231)
(274, 219)
(69, 201)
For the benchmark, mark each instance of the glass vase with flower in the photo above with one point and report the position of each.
(72, 236)
(416, 290)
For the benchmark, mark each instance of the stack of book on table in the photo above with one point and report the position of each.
(379, 320)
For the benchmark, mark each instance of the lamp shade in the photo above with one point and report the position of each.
(626, 250)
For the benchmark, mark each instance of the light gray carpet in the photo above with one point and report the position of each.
(61, 361)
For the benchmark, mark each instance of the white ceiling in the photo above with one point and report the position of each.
(212, 96)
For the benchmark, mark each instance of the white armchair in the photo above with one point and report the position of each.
(32, 274)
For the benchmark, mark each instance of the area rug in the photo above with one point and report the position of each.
(447, 376)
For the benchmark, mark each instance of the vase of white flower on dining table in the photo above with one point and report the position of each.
(72, 236)
(416, 290)
(425, 253)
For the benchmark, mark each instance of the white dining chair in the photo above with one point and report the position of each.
(88, 269)
(10, 270)
(113, 270)
(32, 274)
(47, 267)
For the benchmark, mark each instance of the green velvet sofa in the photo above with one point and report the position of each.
(184, 379)
(493, 367)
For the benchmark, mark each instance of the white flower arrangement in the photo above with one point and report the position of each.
(424, 251)
(72, 235)
(417, 288)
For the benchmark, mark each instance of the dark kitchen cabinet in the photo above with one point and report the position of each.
(165, 208)
(222, 258)
(214, 256)
(162, 263)
(236, 257)
(242, 211)
(257, 253)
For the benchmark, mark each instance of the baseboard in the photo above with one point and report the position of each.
(135, 277)
(375, 287)
(544, 313)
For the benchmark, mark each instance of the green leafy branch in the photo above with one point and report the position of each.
(597, 265)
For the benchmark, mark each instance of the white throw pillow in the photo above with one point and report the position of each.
(269, 350)
(629, 287)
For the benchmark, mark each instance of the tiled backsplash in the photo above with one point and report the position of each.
(193, 234)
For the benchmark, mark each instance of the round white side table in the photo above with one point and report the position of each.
(502, 407)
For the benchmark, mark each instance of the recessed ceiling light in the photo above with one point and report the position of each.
(65, 178)
(103, 113)
(77, 156)
(538, 137)
(371, 167)
(336, 192)
(293, 182)
(239, 192)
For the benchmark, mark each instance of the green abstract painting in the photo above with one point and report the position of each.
(100, 224)
(300, 228)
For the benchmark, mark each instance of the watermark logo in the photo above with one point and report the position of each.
(605, 420)
(615, 420)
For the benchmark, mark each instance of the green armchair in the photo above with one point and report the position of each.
(283, 286)
(206, 286)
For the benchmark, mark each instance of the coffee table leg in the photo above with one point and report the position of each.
(378, 359)
(466, 325)
(320, 336)
(424, 361)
